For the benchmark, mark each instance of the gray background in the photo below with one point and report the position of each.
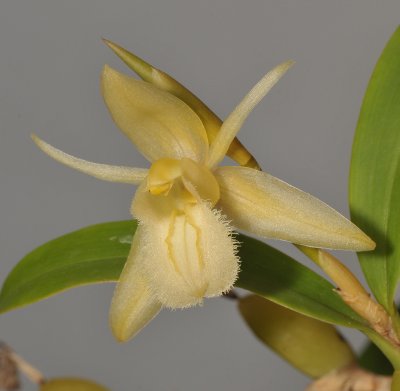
(50, 59)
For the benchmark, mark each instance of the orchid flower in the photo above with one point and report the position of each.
(184, 249)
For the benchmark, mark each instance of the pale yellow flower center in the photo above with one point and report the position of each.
(184, 180)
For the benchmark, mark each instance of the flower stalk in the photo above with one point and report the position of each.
(33, 374)
(15, 363)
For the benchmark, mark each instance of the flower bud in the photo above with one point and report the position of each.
(71, 384)
(313, 347)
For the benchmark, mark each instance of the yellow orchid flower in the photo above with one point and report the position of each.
(184, 250)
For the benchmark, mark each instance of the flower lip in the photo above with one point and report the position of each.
(189, 252)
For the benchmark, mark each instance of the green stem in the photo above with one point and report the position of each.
(394, 314)
(388, 349)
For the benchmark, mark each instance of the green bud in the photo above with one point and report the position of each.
(313, 347)
(71, 384)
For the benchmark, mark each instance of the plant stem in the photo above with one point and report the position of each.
(388, 349)
(356, 297)
(33, 374)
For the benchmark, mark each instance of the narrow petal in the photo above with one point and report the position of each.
(190, 253)
(105, 172)
(266, 206)
(237, 151)
(159, 124)
(133, 304)
(235, 120)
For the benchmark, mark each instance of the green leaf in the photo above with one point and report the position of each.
(375, 174)
(90, 255)
(279, 278)
(374, 360)
(97, 254)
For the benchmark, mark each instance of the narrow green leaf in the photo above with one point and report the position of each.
(90, 255)
(97, 254)
(385, 346)
(375, 174)
(374, 360)
(279, 278)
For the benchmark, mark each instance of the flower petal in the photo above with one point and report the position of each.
(190, 253)
(105, 172)
(262, 204)
(237, 151)
(133, 304)
(201, 179)
(158, 123)
(234, 122)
